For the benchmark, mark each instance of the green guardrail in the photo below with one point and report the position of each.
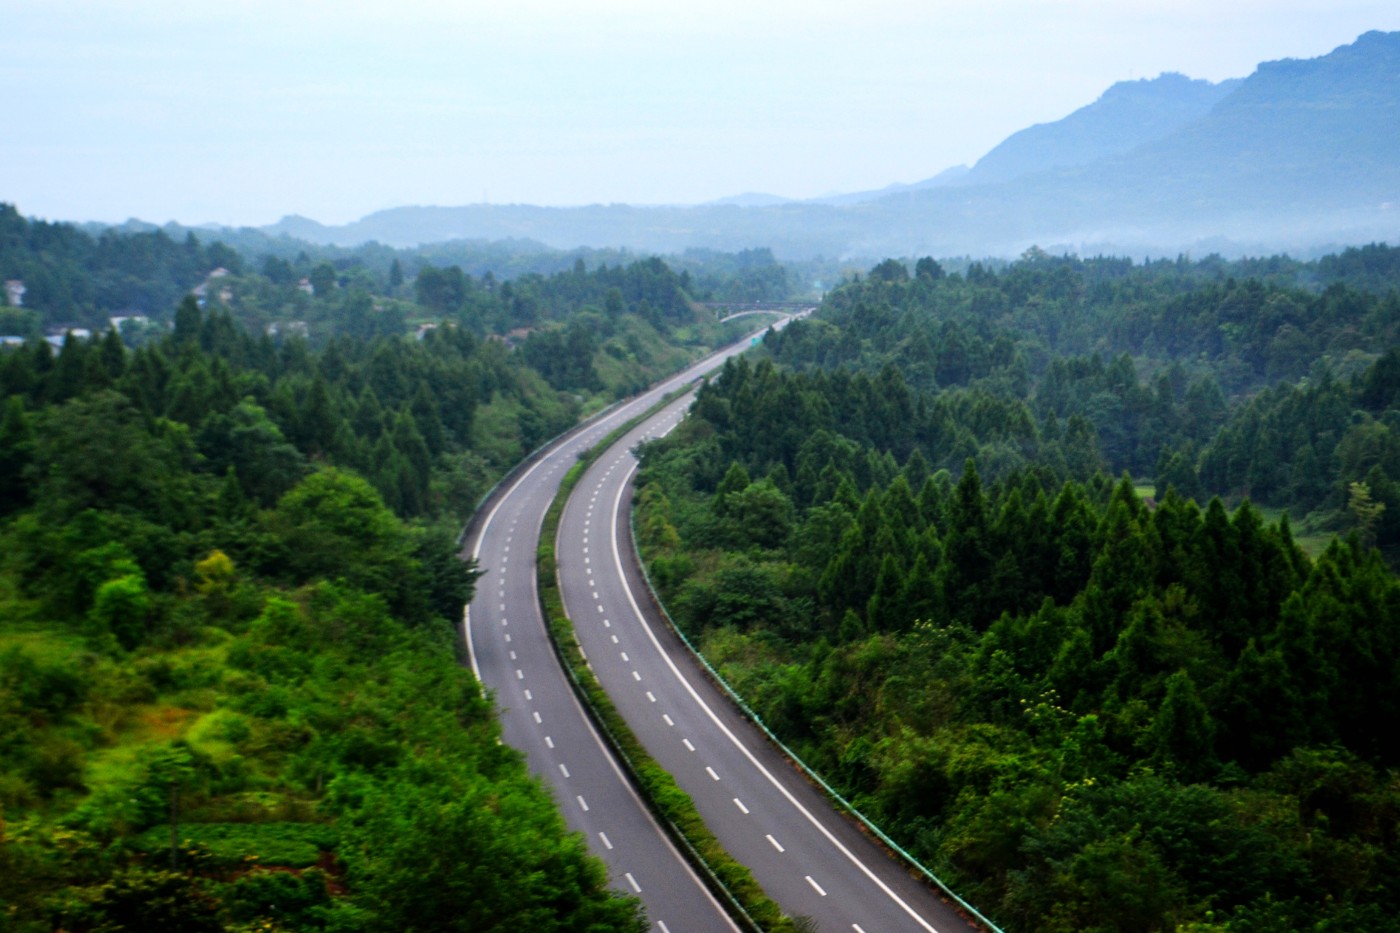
(731, 881)
(753, 716)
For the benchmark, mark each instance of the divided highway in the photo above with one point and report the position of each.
(540, 715)
(807, 857)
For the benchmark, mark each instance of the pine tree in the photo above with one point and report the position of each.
(1183, 733)
(16, 450)
(964, 575)
(188, 321)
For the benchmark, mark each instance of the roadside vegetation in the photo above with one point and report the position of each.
(231, 696)
(1086, 702)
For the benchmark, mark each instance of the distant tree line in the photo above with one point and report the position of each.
(1239, 387)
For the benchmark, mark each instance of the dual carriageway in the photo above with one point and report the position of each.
(808, 857)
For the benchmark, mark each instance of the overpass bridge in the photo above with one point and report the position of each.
(728, 311)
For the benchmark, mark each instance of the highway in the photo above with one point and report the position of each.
(808, 858)
(540, 716)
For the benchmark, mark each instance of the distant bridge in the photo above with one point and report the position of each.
(728, 311)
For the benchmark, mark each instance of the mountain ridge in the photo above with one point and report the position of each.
(1300, 153)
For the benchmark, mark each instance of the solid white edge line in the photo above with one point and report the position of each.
(797, 804)
(689, 375)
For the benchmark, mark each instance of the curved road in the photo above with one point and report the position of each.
(540, 715)
(808, 858)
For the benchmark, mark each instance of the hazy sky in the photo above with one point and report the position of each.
(244, 110)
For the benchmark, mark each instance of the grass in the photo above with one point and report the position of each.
(494, 429)
(46, 644)
(1306, 532)
(216, 733)
(147, 725)
(289, 845)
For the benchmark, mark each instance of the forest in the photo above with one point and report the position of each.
(1076, 575)
(79, 278)
(1009, 557)
(231, 686)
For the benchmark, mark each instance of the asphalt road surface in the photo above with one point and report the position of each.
(540, 715)
(810, 859)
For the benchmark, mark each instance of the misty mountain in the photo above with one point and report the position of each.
(948, 176)
(1300, 155)
(1128, 115)
(1324, 131)
(750, 199)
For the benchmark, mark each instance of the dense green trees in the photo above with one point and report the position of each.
(230, 696)
(1087, 710)
(975, 665)
(74, 279)
(296, 748)
(1241, 380)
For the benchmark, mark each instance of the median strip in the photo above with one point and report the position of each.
(730, 879)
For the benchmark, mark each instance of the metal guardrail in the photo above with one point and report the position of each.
(778, 743)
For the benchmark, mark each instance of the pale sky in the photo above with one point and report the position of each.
(242, 111)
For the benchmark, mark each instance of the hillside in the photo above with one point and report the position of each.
(1128, 115)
